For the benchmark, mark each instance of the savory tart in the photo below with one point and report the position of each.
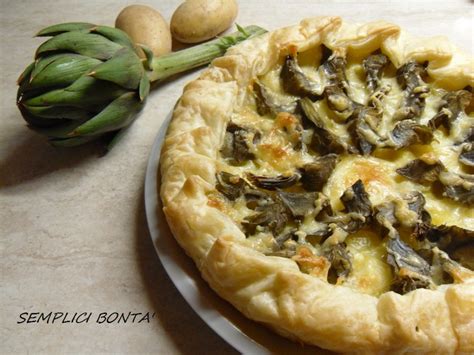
(321, 178)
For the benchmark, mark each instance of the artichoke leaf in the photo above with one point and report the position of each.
(421, 171)
(299, 204)
(64, 27)
(340, 259)
(25, 75)
(356, 199)
(60, 70)
(295, 82)
(466, 156)
(144, 88)
(409, 77)
(115, 35)
(58, 112)
(458, 187)
(273, 182)
(315, 175)
(268, 103)
(148, 56)
(118, 114)
(61, 130)
(86, 92)
(411, 270)
(323, 140)
(271, 216)
(408, 132)
(373, 66)
(452, 104)
(80, 42)
(238, 143)
(124, 69)
(231, 186)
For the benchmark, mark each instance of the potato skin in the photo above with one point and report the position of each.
(145, 26)
(199, 20)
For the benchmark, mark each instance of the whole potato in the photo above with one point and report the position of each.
(145, 26)
(198, 20)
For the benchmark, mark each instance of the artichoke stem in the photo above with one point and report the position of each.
(167, 65)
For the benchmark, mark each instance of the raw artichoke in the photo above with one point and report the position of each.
(88, 81)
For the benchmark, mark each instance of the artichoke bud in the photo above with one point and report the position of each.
(86, 81)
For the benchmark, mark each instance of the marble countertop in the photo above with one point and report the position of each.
(74, 235)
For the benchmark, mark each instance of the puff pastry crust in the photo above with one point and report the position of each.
(270, 289)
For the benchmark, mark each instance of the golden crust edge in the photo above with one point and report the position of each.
(184, 192)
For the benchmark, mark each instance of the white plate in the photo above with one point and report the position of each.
(243, 334)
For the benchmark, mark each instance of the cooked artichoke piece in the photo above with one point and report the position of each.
(267, 103)
(355, 199)
(421, 171)
(416, 202)
(237, 143)
(255, 198)
(385, 217)
(373, 66)
(339, 102)
(466, 156)
(335, 70)
(319, 235)
(299, 204)
(357, 206)
(295, 82)
(457, 242)
(456, 271)
(340, 260)
(315, 175)
(323, 140)
(282, 238)
(452, 104)
(363, 129)
(273, 182)
(411, 270)
(336, 92)
(231, 186)
(409, 77)
(447, 238)
(409, 132)
(458, 187)
(272, 217)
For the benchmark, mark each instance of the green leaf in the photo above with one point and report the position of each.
(60, 70)
(148, 56)
(61, 130)
(115, 35)
(144, 87)
(64, 27)
(80, 42)
(58, 112)
(242, 30)
(120, 113)
(86, 92)
(124, 69)
(26, 74)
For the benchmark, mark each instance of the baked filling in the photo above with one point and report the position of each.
(360, 172)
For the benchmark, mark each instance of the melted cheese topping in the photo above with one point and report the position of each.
(275, 154)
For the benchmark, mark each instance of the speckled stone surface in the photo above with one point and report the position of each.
(73, 230)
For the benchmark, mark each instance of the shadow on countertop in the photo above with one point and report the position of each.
(189, 333)
(32, 157)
